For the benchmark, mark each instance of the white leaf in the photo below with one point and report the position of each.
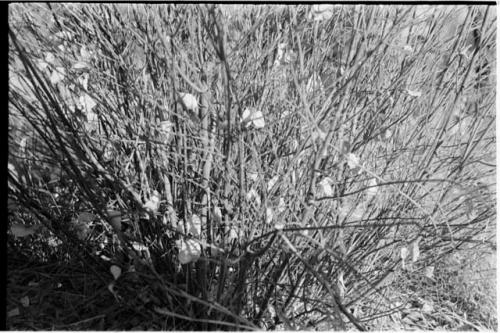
(326, 188)
(252, 195)
(429, 272)
(190, 251)
(321, 12)
(352, 161)
(372, 191)
(42, 65)
(253, 117)
(57, 75)
(232, 236)
(84, 53)
(281, 206)
(272, 182)
(279, 226)
(189, 101)
(25, 301)
(139, 247)
(14, 312)
(21, 230)
(153, 203)
(269, 215)
(80, 65)
(87, 103)
(258, 120)
(387, 134)
(49, 57)
(413, 93)
(408, 49)
(115, 271)
(318, 134)
(252, 175)
(245, 117)
(217, 214)
(404, 253)
(314, 84)
(195, 225)
(415, 251)
(427, 307)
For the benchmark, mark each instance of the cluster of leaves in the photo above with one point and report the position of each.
(266, 166)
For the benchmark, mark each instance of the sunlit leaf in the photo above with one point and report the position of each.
(372, 189)
(86, 103)
(352, 160)
(253, 117)
(189, 101)
(195, 225)
(272, 182)
(189, 251)
(253, 196)
(321, 12)
(281, 206)
(83, 80)
(80, 65)
(413, 93)
(269, 215)
(153, 203)
(58, 75)
(429, 272)
(325, 186)
(415, 250)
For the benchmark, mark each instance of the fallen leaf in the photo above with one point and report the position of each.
(115, 271)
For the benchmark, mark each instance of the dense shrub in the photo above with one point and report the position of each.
(255, 166)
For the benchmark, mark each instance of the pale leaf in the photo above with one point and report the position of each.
(115, 271)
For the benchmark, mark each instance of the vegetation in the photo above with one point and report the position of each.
(216, 167)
